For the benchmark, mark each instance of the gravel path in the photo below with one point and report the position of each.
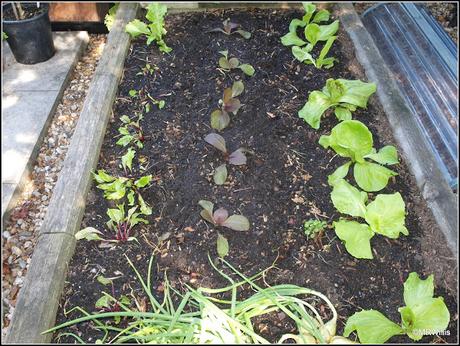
(22, 227)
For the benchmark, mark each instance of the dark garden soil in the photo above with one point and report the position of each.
(283, 184)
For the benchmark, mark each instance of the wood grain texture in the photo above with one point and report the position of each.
(38, 300)
(78, 11)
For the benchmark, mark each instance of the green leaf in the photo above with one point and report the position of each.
(116, 215)
(342, 113)
(312, 32)
(237, 223)
(303, 54)
(416, 290)
(103, 177)
(430, 316)
(386, 215)
(118, 193)
(132, 93)
(219, 119)
(322, 57)
(317, 104)
(125, 119)
(123, 130)
(103, 302)
(309, 10)
(372, 327)
(347, 199)
(234, 62)
(224, 53)
(130, 197)
(371, 176)
(356, 237)
(206, 213)
(388, 155)
(103, 280)
(237, 88)
(294, 24)
(127, 159)
(125, 140)
(321, 16)
(247, 69)
(354, 92)
(224, 63)
(161, 104)
(88, 233)
(136, 28)
(220, 174)
(291, 39)
(245, 34)
(326, 31)
(222, 246)
(143, 181)
(350, 138)
(144, 207)
(339, 174)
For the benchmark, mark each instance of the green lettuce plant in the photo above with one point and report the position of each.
(352, 139)
(220, 217)
(229, 103)
(116, 188)
(343, 95)
(155, 30)
(227, 64)
(109, 18)
(127, 160)
(422, 314)
(385, 215)
(314, 33)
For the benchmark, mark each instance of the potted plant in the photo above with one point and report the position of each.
(28, 30)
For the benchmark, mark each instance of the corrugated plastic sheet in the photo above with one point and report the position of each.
(423, 60)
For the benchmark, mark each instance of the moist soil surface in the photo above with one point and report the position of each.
(283, 184)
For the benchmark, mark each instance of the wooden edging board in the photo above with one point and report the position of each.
(420, 159)
(38, 300)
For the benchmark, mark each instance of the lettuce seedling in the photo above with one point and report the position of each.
(423, 314)
(228, 64)
(236, 158)
(228, 104)
(291, 38)
(344, 96)
(314, 33)
(109, 18)
(229, 28)
(148, 70)
(385, 215)
(116, 188)
(220, 217)
(352, 139)
(155, 30)
(131, 132)
(304, 54)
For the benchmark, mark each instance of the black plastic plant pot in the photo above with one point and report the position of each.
(31, 39)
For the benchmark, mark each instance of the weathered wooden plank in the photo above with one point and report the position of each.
(420, 159)
(38, 300)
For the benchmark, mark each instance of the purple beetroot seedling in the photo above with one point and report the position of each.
(229, 104)
(230, 28)
(236, 158)
(220, 217)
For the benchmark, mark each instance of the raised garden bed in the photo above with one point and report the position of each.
(283, 184)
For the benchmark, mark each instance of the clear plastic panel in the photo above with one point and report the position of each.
(423, 60)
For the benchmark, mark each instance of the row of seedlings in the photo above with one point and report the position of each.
(385, 214)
